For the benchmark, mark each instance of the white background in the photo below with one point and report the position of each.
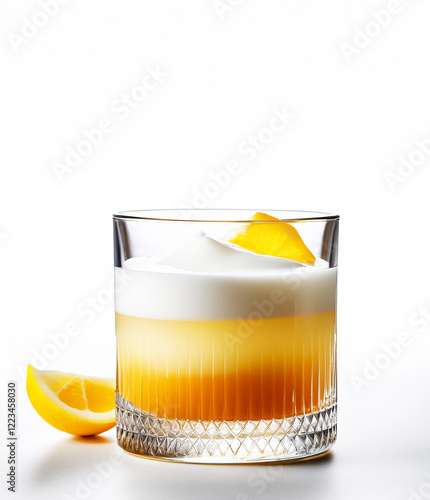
(354, 117)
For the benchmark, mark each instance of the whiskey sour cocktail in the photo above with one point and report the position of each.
(226, 335)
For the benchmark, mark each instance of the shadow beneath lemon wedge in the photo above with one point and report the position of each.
(73, 456)
(92, 439)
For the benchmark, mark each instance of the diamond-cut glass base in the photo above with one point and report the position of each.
(224, 441)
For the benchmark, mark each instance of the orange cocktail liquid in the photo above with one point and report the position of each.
(227, 370)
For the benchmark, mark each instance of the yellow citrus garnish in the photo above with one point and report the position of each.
(82, 406)
(279, 240)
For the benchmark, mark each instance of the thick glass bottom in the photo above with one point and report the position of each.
(224, 442)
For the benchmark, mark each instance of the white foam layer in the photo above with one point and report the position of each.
(199, 296)
(208, 279)
(205, 254)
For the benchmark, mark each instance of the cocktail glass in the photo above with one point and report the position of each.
(226, 334)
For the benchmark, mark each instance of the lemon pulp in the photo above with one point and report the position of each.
(276, 239)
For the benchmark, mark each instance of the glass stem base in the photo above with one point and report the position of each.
(224, 442)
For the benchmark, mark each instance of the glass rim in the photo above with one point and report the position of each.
(145, 214)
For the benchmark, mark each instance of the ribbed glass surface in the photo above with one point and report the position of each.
(233, 372)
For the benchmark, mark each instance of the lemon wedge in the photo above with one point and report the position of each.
(82, 406)
(278, 240)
